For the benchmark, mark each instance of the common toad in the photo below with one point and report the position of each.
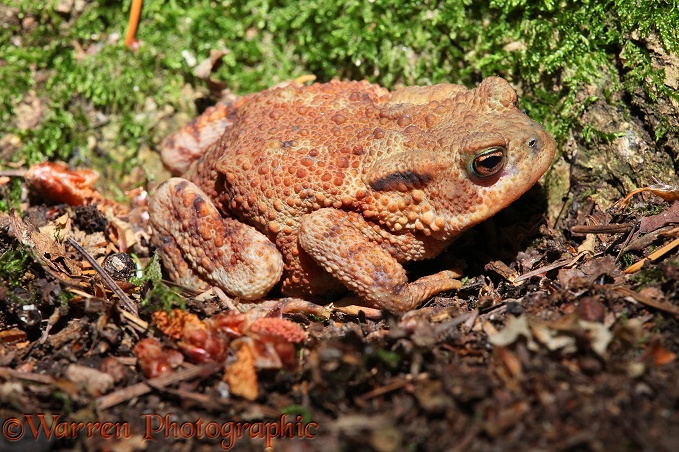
(333, 186)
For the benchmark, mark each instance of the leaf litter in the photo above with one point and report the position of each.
(555, 345)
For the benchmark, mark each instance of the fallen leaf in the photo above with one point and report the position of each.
(658, 355)
(561, 335)
(599, 336)
(155, 360)
(95, 381)
(47, 250)
(60, 184)
(553, 339)
(653, 222)
(515, 328)
(241, 374)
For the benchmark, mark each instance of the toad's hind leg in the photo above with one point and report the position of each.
(197, 243)
(338, 242)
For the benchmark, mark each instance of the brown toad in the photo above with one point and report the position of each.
(333, 186)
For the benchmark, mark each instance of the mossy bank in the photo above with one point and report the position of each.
(602, 76)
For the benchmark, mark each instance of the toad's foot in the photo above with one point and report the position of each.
(334, 238)
(197, 244)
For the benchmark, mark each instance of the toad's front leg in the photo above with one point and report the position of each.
(339, 242)
(197, 244)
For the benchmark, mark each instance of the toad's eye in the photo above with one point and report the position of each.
(488, 162)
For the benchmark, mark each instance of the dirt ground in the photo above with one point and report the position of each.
(548, 345)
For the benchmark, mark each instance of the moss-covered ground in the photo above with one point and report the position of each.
(69, 54)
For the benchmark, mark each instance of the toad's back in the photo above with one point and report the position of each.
(291, 151)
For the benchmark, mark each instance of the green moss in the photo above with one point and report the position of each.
(647, 276)
(590, 133)
(15, 273)
(391, 359)
(627, 259)
(10, 196)
(13, 264)
(65, 298)
(649, 209)
(298, 410)
(158, 295)
(547, 50)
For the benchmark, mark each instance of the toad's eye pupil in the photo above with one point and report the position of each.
(489, 162)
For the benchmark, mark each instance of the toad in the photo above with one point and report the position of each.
(329, 187)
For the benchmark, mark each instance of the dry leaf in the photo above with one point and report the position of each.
(241, 374)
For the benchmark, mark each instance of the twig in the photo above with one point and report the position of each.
(13, 173)
(382, 390)
(140, 325)
(546, 268)
(658, 304)
(354, 310)
(469, 323)
(452, 323)
(135, 11)
(635, 267)
(139, 389)
(122, 296)
(626, 243)
(32, 377)
(495, 310)
(68, 282)
(226, 301)
(206, 401)
(602, 228)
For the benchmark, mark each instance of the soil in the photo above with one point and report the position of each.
(575, 354)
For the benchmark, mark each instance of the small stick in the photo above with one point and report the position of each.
(140, 325)
(13, 173)
(546, 268)
(27, 376)
(382, 390)
(602, 228)
(135, 12)
(635, 267)
(658, 304)
(139, 389)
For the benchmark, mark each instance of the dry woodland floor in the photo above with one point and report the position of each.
(549, 344)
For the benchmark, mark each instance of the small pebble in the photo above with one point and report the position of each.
(120, 266)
